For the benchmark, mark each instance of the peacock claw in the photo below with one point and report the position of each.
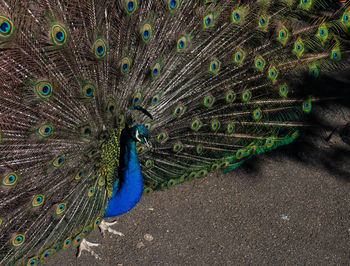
(105, 226)
(86, 245)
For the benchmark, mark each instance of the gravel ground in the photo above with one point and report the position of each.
(290, 206)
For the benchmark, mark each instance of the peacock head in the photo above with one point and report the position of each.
(140, 134)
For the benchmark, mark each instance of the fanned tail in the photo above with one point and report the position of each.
(221, 79)
(232, 88)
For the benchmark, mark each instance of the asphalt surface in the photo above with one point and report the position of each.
(287, 207)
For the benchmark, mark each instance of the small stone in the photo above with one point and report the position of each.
(140, 245)
(148, 237)
(151, 209)
(285, 217)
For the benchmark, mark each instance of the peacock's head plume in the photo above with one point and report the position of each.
(140, 134)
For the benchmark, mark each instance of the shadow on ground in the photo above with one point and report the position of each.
(290, 206)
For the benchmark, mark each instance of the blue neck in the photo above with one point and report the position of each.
(130, 191)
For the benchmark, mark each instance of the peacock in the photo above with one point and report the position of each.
(103, 101)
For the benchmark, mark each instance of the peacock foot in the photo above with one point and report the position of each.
(86, 245)
(105, 226)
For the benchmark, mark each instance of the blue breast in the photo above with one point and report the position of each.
(126, 193)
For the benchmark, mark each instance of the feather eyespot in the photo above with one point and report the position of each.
(224, 165)
(85, 131)
(260, 63)
(263, 22)
(141, 150)
(192, 176)
(67, 243)
(58, 34)
(240, 153)
(182, 43)
(307, 106)
(155, 99)
(46, 130)
(147, 191)
(111, 107)
(273, 73)
(125, 65)
(78, 175)
(283, 35)
(214, 66)
(269, 142)
(322, 33)
(335, 54)
(230, 96)
(179, 110)
(237, 15)
(101, 181)
(18, 240)
(246, 96)
(239, 57)
(100, 49)
(199, 149)
(59, 161)
(164, 185)
(87, 230)
(149, 164)
(184, 178)
(38, 200)
(97, 222)
(215, 125)
(61, 207)
(346, 18)
(284, 90)
(156, 70)
(130, 6)
(208, 101)
(196, 125)
(162, 137)
(299, 48)
(88, 91)
(10, 179)
(33, 261)
(295, 134)
(6, 27)
(314, 71)
(257, 114)
(202, 173)
(137, 99)
(44, 89)
(91, 192)
(214, 167)
(171, 183)
(146, 32)
(178, 147)
(148, 125)
(230, 128)
(78, 240)
(306, 4)
(46, 254)
(173, 5)
(208, 20)
(251, 149)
